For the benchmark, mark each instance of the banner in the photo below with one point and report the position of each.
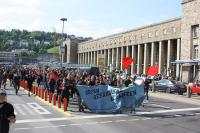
(104, 98)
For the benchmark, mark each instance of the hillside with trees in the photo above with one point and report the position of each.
(38, 42)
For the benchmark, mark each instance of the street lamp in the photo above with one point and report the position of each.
(61, 48)
(63, 20)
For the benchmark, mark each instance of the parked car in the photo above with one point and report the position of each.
(170, 86)
(196, 89)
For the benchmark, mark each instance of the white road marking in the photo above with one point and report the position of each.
(134, 120)
(29, 110)
(146, 119)
(120, 120)
(160, 106)
(16, 129)
(104, 122)
(104, 116)
(168, 111)
(75, 124)
(39, 109)
(91, 123)
(18, 107)
(178, 115)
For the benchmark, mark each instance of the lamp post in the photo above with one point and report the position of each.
(61, 48)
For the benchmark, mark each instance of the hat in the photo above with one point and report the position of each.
(2, 91)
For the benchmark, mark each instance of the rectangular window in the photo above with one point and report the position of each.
(195, 31)
(157, 33)
(196, 52)
(149, 35)
(173, 30)
(165, 31)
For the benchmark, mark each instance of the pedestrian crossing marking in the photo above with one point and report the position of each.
(39, 109)
(29, 109)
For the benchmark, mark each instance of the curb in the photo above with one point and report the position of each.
(173, 97)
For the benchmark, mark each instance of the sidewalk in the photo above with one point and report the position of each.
(195, 99)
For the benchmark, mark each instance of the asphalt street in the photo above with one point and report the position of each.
(155, 116)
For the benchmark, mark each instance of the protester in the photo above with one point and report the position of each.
(16, 81)
(30, 79)
(7, 115)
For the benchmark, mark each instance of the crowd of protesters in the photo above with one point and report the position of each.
(61, 81)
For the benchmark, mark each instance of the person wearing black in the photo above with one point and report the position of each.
(7, 115)
(66, 92)
(16, 81)
(92, 80)
(146, 88)
(80, 104)
(30, 79)
(127, 81)
(114, 82)
(58, 87)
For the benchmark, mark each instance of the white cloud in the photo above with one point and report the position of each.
(21, 3)
(86, 28)
(27, 14)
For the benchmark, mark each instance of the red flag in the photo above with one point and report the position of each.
(152, 70)
(127, 62)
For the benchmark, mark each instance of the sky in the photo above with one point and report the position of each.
(87, 18)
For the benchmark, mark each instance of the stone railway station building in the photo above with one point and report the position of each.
(172, 45)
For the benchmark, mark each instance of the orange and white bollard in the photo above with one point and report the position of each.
(59, 101)
(65, 104)
(45, 95)
(42, 93)
(34, 90)
(50, 97)
(54, 99)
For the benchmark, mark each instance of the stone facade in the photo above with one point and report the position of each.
(156, 44)
(70, 52)
(191, 17)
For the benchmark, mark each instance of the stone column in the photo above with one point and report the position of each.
(145, 58)
(95, 62)
(132, 56)
(122, 54)
(127, 55)
(113, 56)
(108, 57)
(160, 57)
(84, 58)
(139, 59)
(97, 57)
(117, 58)
(178, 57)
(168, 56)
(152, 54)
(78, 58)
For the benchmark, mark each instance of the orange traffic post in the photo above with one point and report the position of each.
(54, 99)
(42, 93)
(50, 97)
(65, 104)
(45, 95)
(33, 89)
(36, 91)
(59, 101)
